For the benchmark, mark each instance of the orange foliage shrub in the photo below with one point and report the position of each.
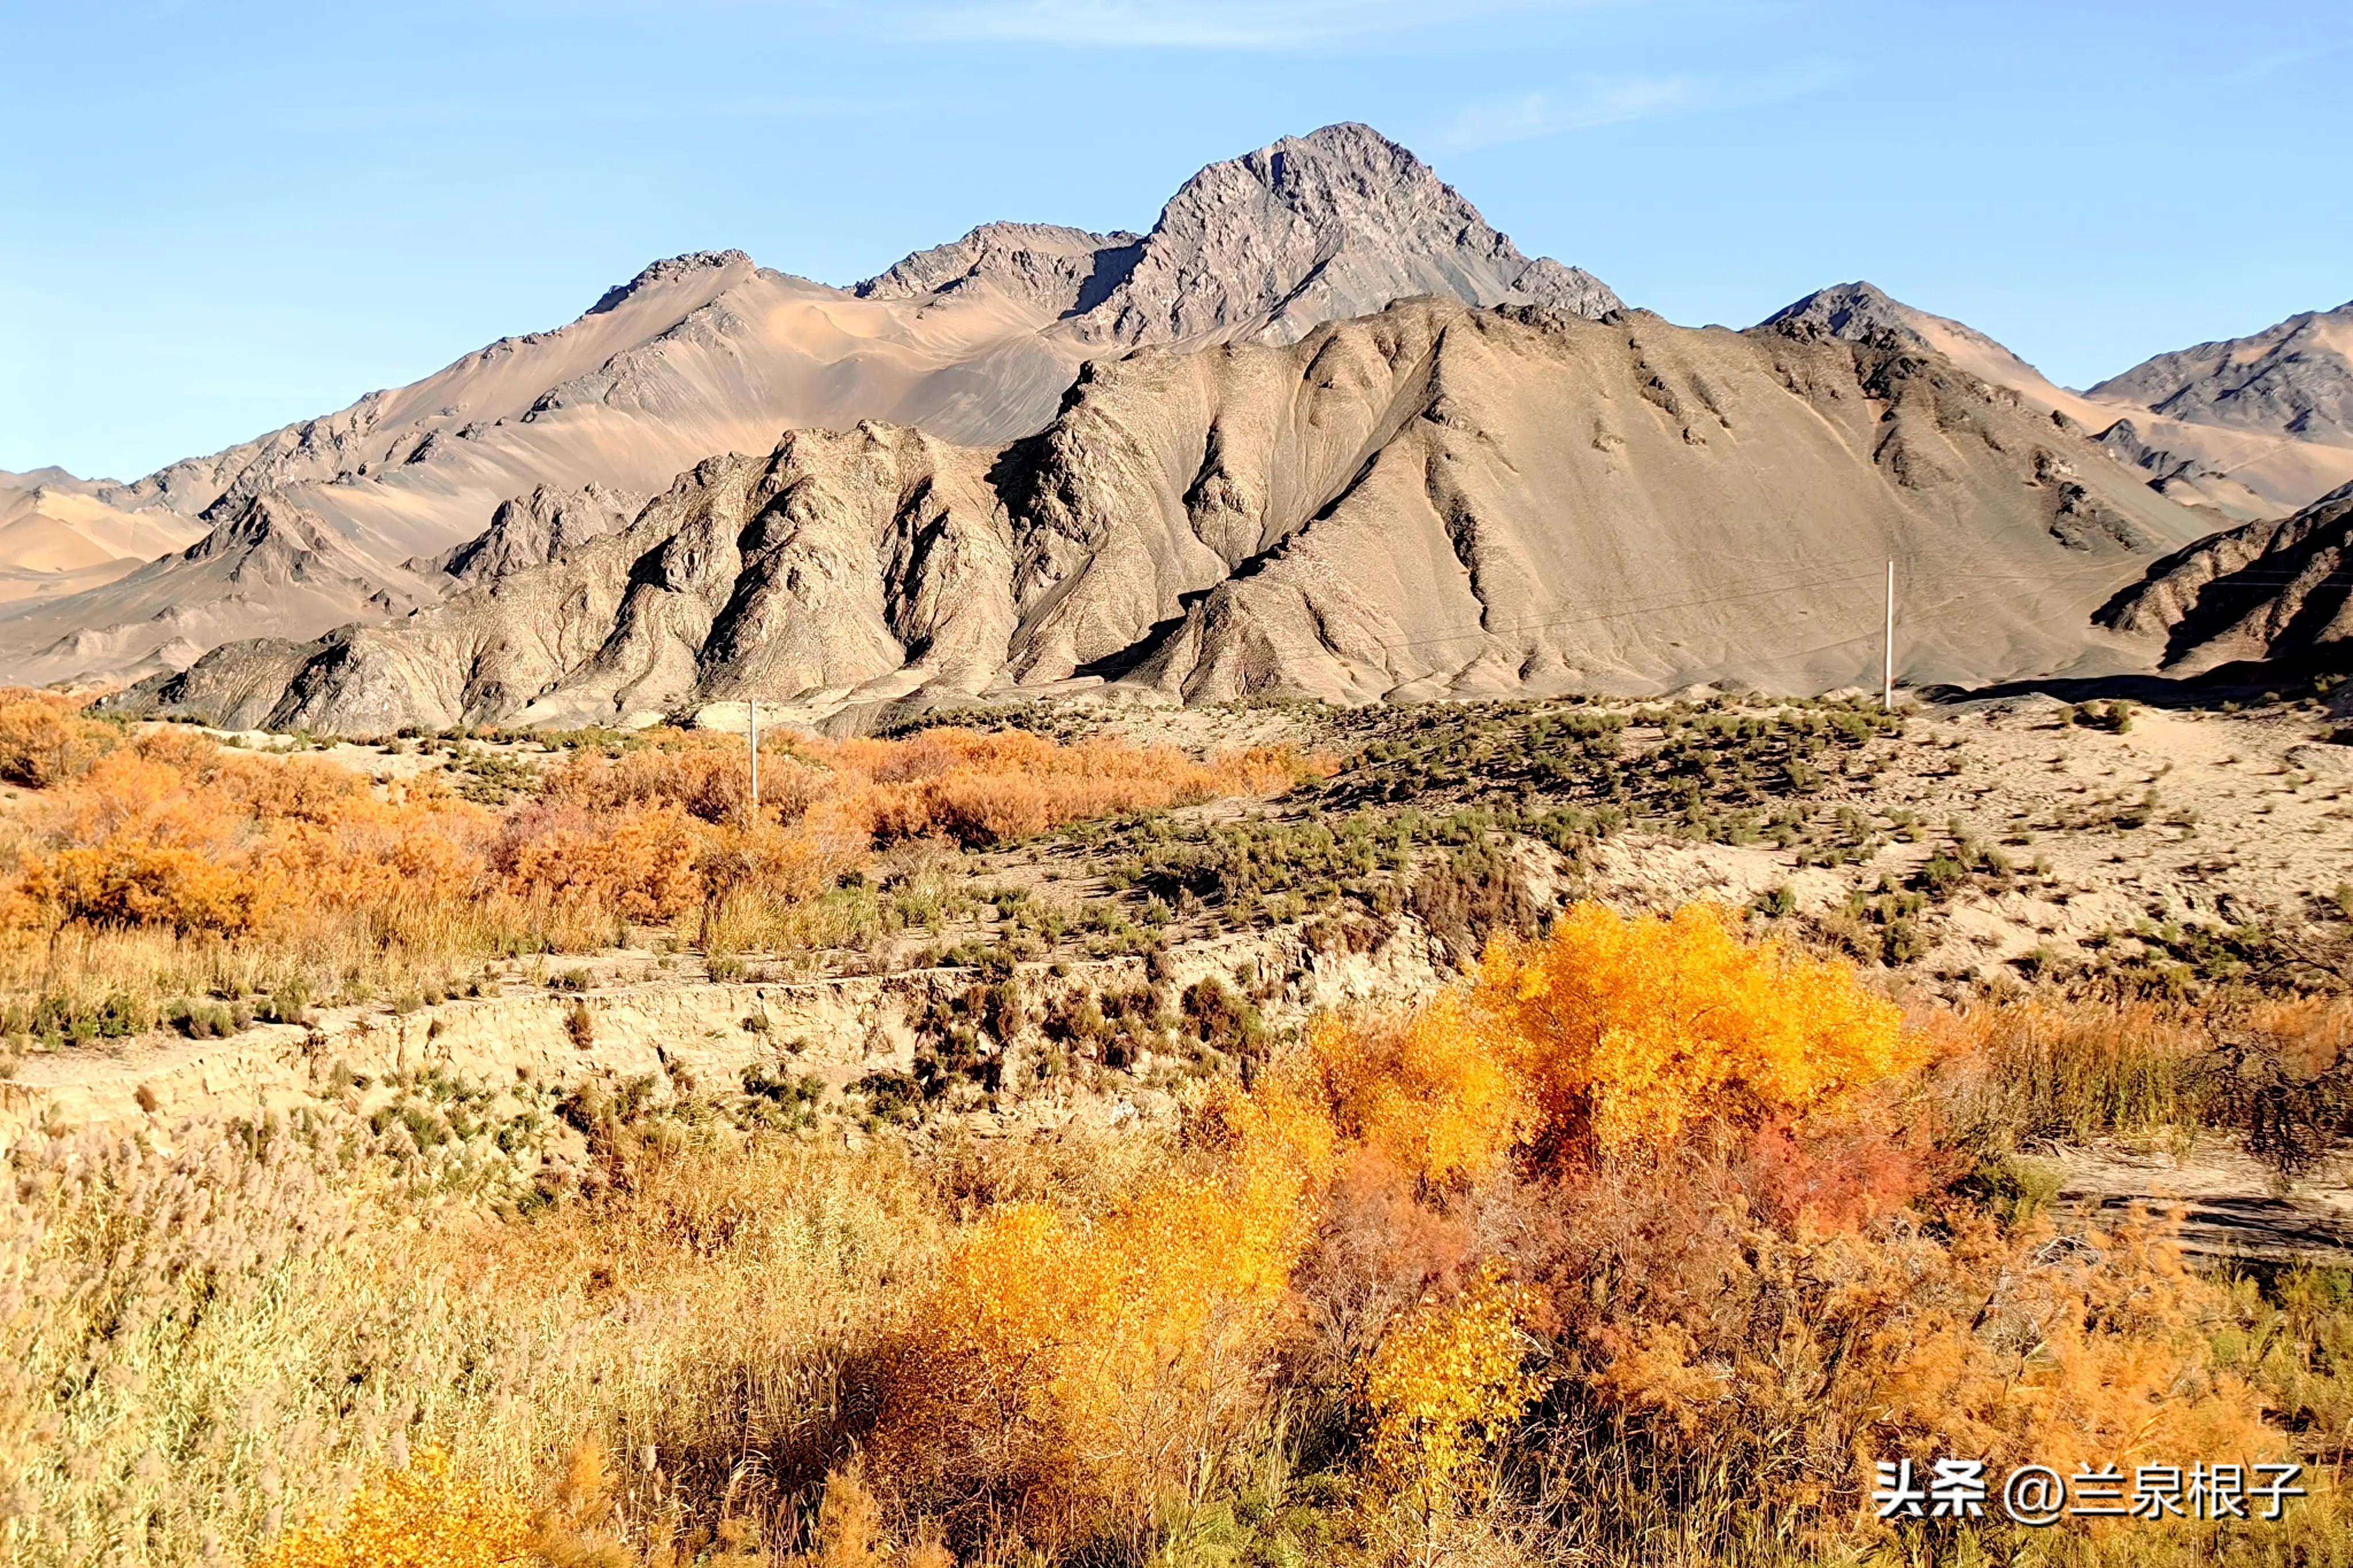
(1610, 1033)
(1077, 1370)
(1669, 1137)
(177, 887)
(1730, 1364)
(144, 847)
(657, 832)
(1072, 1367)
(986, 788)
(2028, 1347)
(44, 739)
(174, 833)
(638, 860)
(1839, 1173)
(1636, 1169)
(1431, 1094)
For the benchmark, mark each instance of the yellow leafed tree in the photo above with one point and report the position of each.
(1631, 1030)
(1089, 1366)
(1445, 1381)
(1433, 1094)
(425, 1516)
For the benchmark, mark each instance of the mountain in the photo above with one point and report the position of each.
(2294, 379)
(2277, 589)
(1433, 501)
(58, 538)
(2237, 468)
(266, 561)
(974, 341)
(1315, 229)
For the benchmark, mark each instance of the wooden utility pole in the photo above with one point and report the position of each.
(1887, 649)
(751, 709)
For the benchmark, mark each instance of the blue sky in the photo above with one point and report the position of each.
(217, 218)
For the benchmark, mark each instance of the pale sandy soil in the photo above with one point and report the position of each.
(2249, 817)
(2229, 1203)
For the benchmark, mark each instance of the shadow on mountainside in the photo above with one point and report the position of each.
(2240, 680)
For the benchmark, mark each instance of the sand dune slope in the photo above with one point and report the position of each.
(57, 538)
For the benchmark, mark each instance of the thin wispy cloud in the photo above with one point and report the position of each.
(2277, 63)
(396, 114)
(1210, 24)
(1529, 115)
(1591, 102)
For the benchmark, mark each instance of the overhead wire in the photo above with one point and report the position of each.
(1652, 606)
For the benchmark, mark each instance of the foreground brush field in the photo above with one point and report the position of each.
(1539, 1132)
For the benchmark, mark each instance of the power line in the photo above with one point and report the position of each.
(1641, 608)
(1622, 611)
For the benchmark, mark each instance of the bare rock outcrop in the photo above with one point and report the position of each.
(1317, 228)
(2278, 589)
(2189, 447)
(2292, 379)
(1064, 270)
(534, 529)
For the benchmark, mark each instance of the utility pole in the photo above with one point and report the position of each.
(752, 708)
(1887, 649)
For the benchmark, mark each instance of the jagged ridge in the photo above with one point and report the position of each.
(2292, 379)
(2276, 589)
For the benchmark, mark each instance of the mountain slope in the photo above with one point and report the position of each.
(1432, 501)
(975, 342)
(267, 561)
(2278, 589)
(2240, 471)
(2293, 379)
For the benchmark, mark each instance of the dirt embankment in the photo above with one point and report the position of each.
(684, 1033)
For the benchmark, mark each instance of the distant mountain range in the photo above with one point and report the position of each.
(340, 517)
(1031, 423)
(56, 536)
(2260, 461)
(1434, 501)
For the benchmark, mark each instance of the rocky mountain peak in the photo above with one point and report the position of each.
(1327, 225)
(1851, 312)
(669, 269)
(265, 522)
(534, 529)
(1045, 262)
(706, 351)
(2294, 378)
